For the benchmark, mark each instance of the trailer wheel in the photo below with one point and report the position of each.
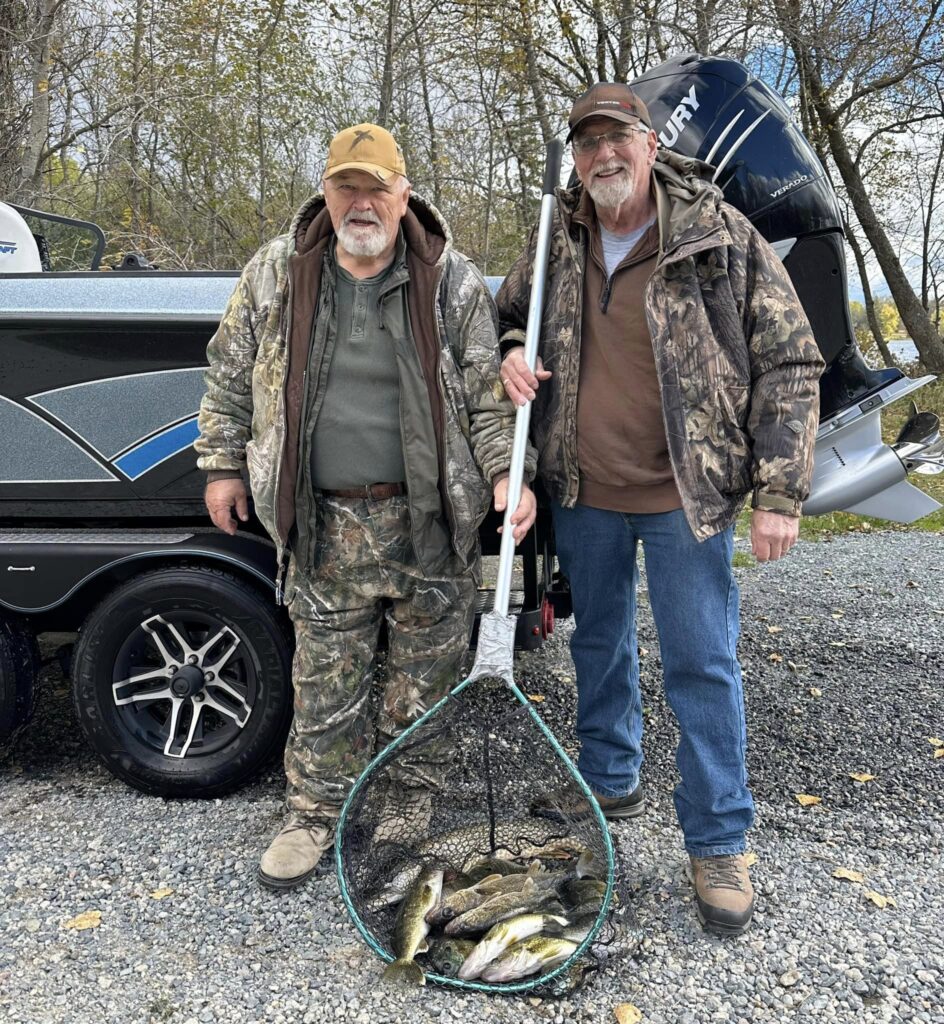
(19, 662)
(182, 681)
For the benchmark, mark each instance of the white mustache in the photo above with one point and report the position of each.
(367, 215)
(610, 165)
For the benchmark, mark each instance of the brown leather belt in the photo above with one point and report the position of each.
(374, 492)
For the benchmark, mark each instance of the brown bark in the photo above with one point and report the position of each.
(874, 324)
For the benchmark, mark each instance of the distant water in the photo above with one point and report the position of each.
(903, 350)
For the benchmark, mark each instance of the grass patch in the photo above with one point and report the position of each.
(742, 560)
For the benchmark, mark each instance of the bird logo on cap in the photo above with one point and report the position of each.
(359, 137)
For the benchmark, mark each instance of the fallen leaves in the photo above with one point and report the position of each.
(750, 859)
(805, 800)
(879, 899)
(935, 742)
(775, 629)
(861, 776)
(160, 894)
(939, 752)
(776, 658)
(626, 1013)
(815, 691)
(90, 919)
(535, 698)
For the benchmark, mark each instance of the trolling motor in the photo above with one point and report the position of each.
(714, 109)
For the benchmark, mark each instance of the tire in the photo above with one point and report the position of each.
(19, 663)
(170, 725)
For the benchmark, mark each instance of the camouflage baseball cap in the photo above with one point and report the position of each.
(608, 99)
(365, 147)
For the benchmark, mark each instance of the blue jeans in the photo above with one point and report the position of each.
(694, 600)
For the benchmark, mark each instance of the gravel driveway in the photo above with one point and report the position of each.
(842, 651)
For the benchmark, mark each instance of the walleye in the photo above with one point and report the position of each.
(410, 928)
(578, 929)
(540, 952)
(447, 955)
(513, 839)
(494, 865)
(505, 934)
(584, 890)
(455, 903)
(499, 908)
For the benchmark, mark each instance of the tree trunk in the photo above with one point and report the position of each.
(386, 81)
(136, 189)
(434, 157)
(39, 46)
(874, 325)
(534, 74)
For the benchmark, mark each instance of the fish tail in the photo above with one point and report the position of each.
(404, 972)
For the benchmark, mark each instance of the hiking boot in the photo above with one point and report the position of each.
(724, 896)
(571, 805)
(294, 853)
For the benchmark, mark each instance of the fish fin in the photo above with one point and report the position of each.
(404, 972)
(529, 886)
(477, 961)
(423, 947)
(487, 881)
(554, 924)
(588, 866)
(535, 868)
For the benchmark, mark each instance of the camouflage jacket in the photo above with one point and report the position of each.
(457, 424)
(737, 364)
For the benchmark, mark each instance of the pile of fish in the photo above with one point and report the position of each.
(499, 918)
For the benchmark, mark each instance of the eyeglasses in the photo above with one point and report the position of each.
(616, 139)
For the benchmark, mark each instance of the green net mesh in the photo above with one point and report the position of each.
(500, 810)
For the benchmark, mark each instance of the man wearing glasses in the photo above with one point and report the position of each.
(679, 376)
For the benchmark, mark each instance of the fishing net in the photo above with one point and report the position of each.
(498, 796)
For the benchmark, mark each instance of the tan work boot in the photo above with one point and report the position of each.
(294, 853)
(724, 896)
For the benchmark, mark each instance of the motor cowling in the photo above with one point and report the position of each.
(19, 253)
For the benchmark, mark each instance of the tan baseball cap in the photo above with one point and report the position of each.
(608, 99)
(365, 147)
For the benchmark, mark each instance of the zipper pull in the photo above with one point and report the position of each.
(280, 578)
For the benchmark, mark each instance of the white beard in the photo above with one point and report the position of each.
(611, 193)
(363, 241)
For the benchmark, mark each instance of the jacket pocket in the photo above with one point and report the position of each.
(718, 442)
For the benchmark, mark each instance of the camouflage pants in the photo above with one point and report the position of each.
(366, 569)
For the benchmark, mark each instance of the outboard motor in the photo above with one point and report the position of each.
(714, 109)
(19, 252)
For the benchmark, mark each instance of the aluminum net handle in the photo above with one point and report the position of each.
(506, 557)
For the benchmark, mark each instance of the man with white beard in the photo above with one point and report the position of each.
(679, 375)
(355, 376)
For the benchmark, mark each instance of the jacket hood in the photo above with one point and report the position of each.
(426, 232)
(687, 203)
